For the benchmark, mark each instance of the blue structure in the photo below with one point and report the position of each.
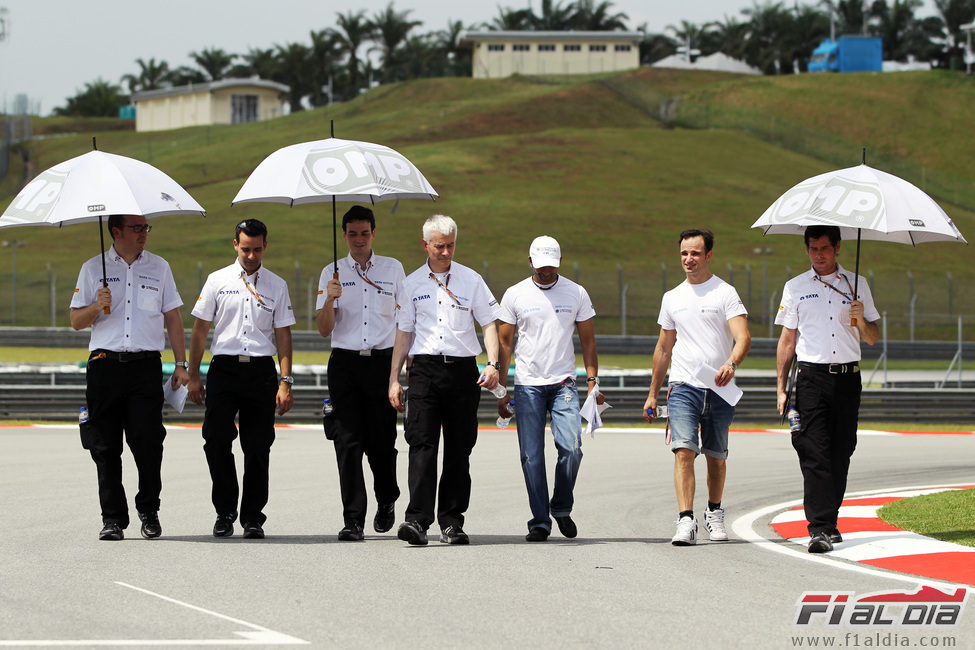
(848, 54)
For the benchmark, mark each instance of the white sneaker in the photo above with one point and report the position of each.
(686, 532)
(714, 523)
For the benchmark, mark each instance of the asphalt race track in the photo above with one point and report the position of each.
(620, 584)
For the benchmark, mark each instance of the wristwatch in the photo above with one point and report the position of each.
(734, 366)
(288, 379)
(183, 364)
(496, 364)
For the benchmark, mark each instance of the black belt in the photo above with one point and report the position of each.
(238, 358)
(376, 352)
(442, 358)
(832, 368)
(125, 357)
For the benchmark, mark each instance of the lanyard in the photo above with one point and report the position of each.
(443, 285)
(848, 296)
(367, 280)
(248, 285)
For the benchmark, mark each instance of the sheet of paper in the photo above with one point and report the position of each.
(729, 392)
(592, 412)
(175, 398)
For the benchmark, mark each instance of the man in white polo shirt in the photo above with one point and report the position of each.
(358, 310)
(545, 309)
(124, 375)
(439, 304)
(251, 314)
(702, 320)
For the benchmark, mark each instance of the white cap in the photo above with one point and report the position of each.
(545, 251)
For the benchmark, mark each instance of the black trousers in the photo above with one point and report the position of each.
(441, 395)
(828, 408)
(246, 390)
(362, 422)
(125, 396)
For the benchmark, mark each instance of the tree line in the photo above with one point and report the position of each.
(336, 63)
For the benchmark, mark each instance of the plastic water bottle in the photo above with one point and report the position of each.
(498, 391)
(83, 415)
(326, 407)
(502, 422)
(793, 416)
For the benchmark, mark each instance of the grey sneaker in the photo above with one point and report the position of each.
(714, 524)
(686, 532)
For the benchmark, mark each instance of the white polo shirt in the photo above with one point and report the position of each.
(365, 315)
(822, 315)
(546, 320)
(141, 293)
(442, 324)
(242, 323)
(700, 314)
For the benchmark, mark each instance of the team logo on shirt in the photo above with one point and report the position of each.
(148, 277)
(563, 309)
(230, 292)
(710, 310)
(349, 284)
(150, 287)
(425, 296)
(808, 296)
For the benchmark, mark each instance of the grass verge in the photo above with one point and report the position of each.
(948, 516)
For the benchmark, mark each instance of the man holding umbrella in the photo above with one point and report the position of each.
(357, 308)
(251, 314)
(127, 309)
(817, 309)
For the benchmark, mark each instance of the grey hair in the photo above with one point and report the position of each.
(438, 223)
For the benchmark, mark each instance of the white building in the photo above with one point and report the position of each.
(228, 101)
(502, 54)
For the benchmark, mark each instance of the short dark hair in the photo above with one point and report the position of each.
(698, 232)
(815, 232)
(115, 221)
(359, 213)
(251, 228)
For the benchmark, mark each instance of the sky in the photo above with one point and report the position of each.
(54, 47)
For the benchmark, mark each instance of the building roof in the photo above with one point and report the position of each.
(208, 87)
(468, 39)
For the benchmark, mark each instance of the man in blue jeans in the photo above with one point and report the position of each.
(702, 321)
(545, 309)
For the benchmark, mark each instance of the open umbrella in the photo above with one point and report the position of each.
(95, 185)
(334, 170)
(863, 202)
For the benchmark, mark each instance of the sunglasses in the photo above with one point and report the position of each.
(140, 228)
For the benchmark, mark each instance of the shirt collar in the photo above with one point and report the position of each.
(115, 257)
(241, 269)
(355, 265)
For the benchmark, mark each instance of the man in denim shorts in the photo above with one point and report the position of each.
(702, 321)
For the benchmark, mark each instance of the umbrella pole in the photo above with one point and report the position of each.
(335, 245)
(856, 277)
(101, 238)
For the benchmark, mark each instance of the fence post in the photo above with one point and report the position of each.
(619, 283)
(960, 349)
(626, 288)
(311, 300)
(870, 279)
(771, 310)
(748, 273)
(575, 267)
(731, 275)
(913, 301)
(199, 277)
(487, 272)
(951, 287)
(297, 282)
(663, 279)
(50, 291)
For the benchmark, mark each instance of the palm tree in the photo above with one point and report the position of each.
(294, 70)
(257, 62)
(555, 17)
(809, 27)
(324, 56)
(768, 47)
(354, 29)
(422, 57)
(455, 62)
(186, 75)
(955, 13)
(689, 35)
(654, 47)
(152, 76)
(592, 16)
(98, 99)
(512, 20)
(729, 37)
(214, 61)
(391, 28)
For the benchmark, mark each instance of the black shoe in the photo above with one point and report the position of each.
(412, 533)
(537, 534)
(253, 530)
(566, 526)
(819, 543)
(454, 535)
(385, 517)
(835, 537)
(224, 526)
(351, 533)
(151, 527)
(111, 532)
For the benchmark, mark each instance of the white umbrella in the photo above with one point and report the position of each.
(95, 185)
(335, 170)
(863, 202)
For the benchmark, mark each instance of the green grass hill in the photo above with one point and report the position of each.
(587, 160)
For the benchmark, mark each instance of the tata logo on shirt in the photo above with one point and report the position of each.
(425, 296)
(809, 295)
(113, 279)
(231, 292)
(348, 284)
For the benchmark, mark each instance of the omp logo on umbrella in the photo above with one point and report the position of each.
(348, 170)
(838, 202)
(37, 199)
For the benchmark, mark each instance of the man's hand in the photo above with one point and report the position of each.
(333, 290)
(780, 401)
(396, 396)
(649, 408)
(725, 374)
(284, 399)
(195, 388)
(180, 377)
(489, 378)
(503, 406)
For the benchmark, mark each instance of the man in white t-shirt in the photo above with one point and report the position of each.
(701, 321)
(545, 309)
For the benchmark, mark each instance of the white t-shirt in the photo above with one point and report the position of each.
(365, 315)
(546, 320)
(822, 315)
(245, 310)
(700, 314)
(141, 293)
(442, 321)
